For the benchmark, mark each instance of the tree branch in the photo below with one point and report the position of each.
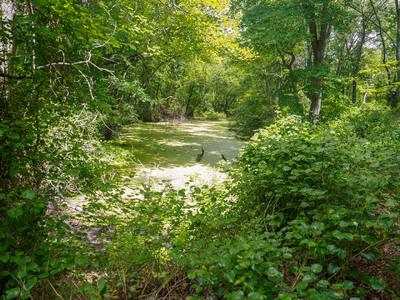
(15, 76)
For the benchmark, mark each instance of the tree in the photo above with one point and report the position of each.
(280, 25)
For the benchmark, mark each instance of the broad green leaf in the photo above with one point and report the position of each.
(271, 271)
(14, 212)
(348, 285)
(316, 268)
(377, 283)
(44, 275)
(318, 226)
(13, 171)
(101, 284)
(31, 283)
(391, 203)
(21, 274)
(342, 253)
(238, 295)
(371, 254)
(308, 278)
(349, 127)
(323, 284)
(255, 296)
(332, 268)
(230, 276)
(332, 249)
(12, 293)
(14, 136)
(25, 294)
(28, 194)
(4, 258)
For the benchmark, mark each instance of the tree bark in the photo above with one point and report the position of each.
(396, 100)
(318, 46)
(358, 57)
(382, 39)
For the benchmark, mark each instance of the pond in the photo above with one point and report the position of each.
(170, 151)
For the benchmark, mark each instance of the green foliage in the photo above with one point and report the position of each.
(313, 205)
(291, 164)
(371, 120)
(306, 212)
(252, 114)
(214, 116)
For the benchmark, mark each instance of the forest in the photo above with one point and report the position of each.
(310, 207)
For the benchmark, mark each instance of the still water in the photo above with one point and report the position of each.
(169, 151)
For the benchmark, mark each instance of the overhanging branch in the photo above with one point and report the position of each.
(15, 76)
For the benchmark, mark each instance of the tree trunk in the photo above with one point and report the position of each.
(383, 39)
(189, 111)
(316, 99)
(318, 46)
(358, 57)
(6, 48)
(396, 100)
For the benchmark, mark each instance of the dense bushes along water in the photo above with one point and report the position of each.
(308, 212)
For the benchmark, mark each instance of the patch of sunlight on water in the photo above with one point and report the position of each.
(168, 151)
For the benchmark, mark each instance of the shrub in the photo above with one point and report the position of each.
(291, 166)
(367, 120)
(317, 210)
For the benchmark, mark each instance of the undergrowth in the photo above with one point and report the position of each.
(307, 213)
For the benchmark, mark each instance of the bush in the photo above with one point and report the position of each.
(251, 115)
(214, 116)
(292, 165)
(317, 209)
(368, 120)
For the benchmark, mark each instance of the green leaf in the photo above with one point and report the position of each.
(316, 268)
(21, 274)
(272, 271)
(323, 284)
(308, 278)
(332, 249)
(14, 136)
(44, 275)
(238, 295)
(14, 212)
(31, 283)
(255, 296)
(13, 171)
(25, 294)
(12, 293)
(28, 194)
(230, 276)
(374, 165)
(332, 268)
(348, 285)
(101, 284)
(377, 283)
(391, 203)
(318, 226)
(371, 254)
(4, 258)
